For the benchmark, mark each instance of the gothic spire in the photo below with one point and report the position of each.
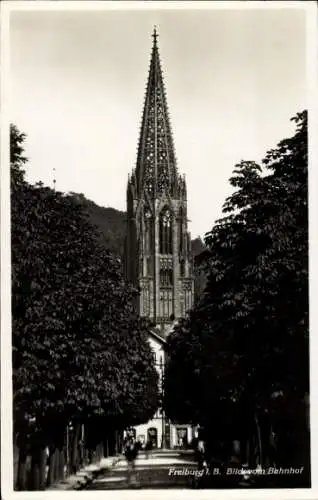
(156, 169)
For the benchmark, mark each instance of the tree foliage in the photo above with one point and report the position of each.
(79, 349)
(244, 347)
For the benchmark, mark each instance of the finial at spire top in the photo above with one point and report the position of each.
(155, 35)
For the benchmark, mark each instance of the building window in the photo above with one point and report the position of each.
(149, 266)
(182, 312)
(146, 300)
(166, 277)
(180, 237)
(188, 242)
(148, 230)
(182, 268)
(165, 232)
(188, 298)
(181, 229)
(165, 304)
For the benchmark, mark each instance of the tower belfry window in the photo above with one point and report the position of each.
(165, 232)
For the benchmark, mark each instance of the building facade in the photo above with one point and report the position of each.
(157, 430)
(158, 255)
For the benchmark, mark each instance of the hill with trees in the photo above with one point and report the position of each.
(110, 223)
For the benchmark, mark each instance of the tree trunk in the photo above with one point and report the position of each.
(82, 447)
(38, 468)
(51, 477)
(22, 480)
(86, 450)
(61, 463)
(54, 433)
(35, 476)
(57, 465)
(89, 441)
(116, 442)
(247, 451)
(259, 440)
(120, 441)
(74, 449)
(100, 451)
(97, 453)
(252, 449)
(15, 463)
(112, 447)
(105, 446)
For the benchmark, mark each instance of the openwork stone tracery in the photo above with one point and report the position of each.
(157, 213)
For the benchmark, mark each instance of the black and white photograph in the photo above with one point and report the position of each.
(155, 247)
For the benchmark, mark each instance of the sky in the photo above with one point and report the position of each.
(233, 80)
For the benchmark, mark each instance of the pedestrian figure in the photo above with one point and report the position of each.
(131, 452)
(200, 458)
(200, 454)
(138, 444)
(148, 448)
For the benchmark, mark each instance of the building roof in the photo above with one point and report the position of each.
(158, 335)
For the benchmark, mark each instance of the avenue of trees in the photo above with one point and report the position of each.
(82, 364)
(239, 362)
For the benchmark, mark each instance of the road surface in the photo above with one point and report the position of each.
(162, 469)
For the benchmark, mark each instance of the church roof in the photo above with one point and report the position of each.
(156, 168)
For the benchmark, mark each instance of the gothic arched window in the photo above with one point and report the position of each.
(165, 303)
(180, 235)
(148, 230)
(149, 266)
(166, 277)
(165, 232)
(181, 229)
(182, 311)
(188, 297)
(182, 268)
(146, 300)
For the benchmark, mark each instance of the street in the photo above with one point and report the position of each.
(162, 469)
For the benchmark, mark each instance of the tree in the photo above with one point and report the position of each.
(252, 323)
(17, 158)
(80, 352)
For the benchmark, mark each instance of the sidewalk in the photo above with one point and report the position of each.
(85, 475)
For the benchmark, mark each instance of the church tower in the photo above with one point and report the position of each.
(158, 254)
